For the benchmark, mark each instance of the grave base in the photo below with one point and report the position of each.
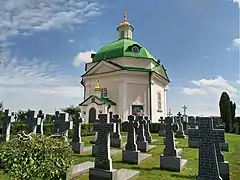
(94, 150)
(149, 139)
(172, 163)
(142, 146)
(133, 157)
(78, 147)
(224, 146)
(161, 133)
(224, 170)
(180, 134)
(193, 144)
(115, 143)
(79, 169)
(97, 174)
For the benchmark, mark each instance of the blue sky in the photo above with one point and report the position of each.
(46, 45)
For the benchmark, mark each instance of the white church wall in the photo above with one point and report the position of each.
(90, 65)
(134, 62)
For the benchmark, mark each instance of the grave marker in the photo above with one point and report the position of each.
(180, 133)
(116, 139)
(7, 120)
(142, 144)
(77, 144)
(147, 130)
(162, 127)
(40, 117)
(32, 121)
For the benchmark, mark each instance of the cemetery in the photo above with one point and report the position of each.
(121, 131)
(139, 152)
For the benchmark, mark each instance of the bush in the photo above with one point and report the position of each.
(32, 156)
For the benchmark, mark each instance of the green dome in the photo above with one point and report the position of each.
(122, 48)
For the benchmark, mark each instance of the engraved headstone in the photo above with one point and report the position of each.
(170, 159)
(116, 139)
(209, 150)
(40, 118)
(142, 143)
(180, 133)
(103, 162)
(162, 125)
(61, 124)
(32, 121)
(147, 130)
(7, 120)
(77, 144)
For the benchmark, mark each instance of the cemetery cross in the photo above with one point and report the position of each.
(131, 136)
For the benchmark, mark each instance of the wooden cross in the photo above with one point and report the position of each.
(207, 137)
(103, 128)
(184, 109)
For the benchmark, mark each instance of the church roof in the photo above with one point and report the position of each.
(122, 48)
(102, 100)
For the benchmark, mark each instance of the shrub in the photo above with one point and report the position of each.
(28, 157)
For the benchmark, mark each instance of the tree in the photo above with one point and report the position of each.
(225, 111)
(233, 111)
(72, 110)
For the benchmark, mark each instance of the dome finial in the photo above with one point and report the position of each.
(97, 87)
(125, 15)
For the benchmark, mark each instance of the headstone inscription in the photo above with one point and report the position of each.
(147, 130)
(116, 139)
(77, 144)
(142, 144)
(40, 118)
(208, 167)
(103, 162)
(7, 120)
(170, 159)
(162, 125)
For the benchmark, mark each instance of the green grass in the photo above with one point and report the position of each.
(149, 169)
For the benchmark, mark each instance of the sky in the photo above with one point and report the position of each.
(46, 43)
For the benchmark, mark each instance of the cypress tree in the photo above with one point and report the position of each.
(225, 110)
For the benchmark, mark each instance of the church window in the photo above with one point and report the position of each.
(159, 101)
(122, 34)
(104, 92)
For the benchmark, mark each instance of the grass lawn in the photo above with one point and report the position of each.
(149, 169)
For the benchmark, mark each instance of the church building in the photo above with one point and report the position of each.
(124, 78)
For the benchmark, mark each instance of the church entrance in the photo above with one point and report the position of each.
(137, 110)
(92, 115)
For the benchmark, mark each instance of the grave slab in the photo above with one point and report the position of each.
(79, 169)
(134, 157)
(172, 163)
(126, 174)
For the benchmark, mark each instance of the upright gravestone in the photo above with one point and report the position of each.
(32, 121)
(103, 162)
(77, 144)
(116, 140)
(131, 154)
(170, 159)
(142, 144)
(7, 120)
(40, 118)
(180, 133)
(62, 124)
(147, 130)
(191, 122)
(208, 137)
(161, 131)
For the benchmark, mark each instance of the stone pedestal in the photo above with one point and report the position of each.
(97, 174)
(161, 133)
(172, 163)
(94, 150)
(116, 143)
(180, 134)
(224, 170)
(131, 157)
(78, 147)
(142, 146)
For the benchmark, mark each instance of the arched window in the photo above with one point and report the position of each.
(159, 101)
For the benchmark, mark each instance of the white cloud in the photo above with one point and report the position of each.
(83, 57)
(238, 81)
(238, 2)
(235, 44)
(37, 84)
(27, 16)
(71, 40)
(193, 91)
